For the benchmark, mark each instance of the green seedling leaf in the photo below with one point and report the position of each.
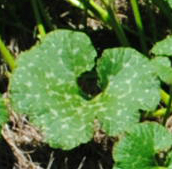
(163, 69)
(44, 87)
(163, 47)
(3, 113)
(143, 147)
(129, 84)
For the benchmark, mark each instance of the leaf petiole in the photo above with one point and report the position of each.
(7, 56)
(168, 111)
(40, 25)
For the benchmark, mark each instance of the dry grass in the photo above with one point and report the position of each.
(21, 133)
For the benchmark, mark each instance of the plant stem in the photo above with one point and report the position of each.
(139, 25)
(40, 25)
(167, 114)
(44, 14)
(76, 3)
(97, 10)
(159, 113)
(107, 16)
(117, 27)
(7, 56)
(164, 97)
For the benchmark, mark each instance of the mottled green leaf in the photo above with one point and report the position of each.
(163, 69)
(141, 145)
(163, 47)
(44, 86)
(3, 113)
(130, 85)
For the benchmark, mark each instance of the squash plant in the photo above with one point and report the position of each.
(44, 87)
(144, 146)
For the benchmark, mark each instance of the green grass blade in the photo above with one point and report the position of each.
(7, 56)
(139, 25)
(40, 25)
(45, 15)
